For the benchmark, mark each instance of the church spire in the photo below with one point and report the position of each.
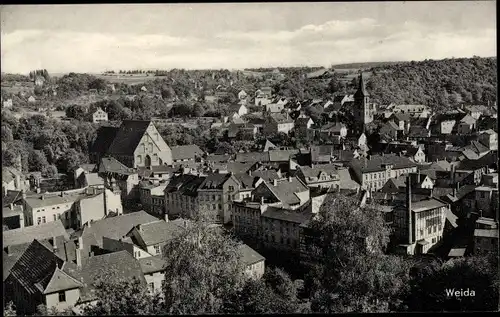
(361, 92)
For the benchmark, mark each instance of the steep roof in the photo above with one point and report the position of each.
(375, 162)
(58, 281)
(317, 169)
(28, 234)
(93, 179)
(34, 265)
(116, 227)
(128, 136)
(248, 255)
(185, 151)
(346, 179)
(281, 118)
(252, 157)
(185, 184)
(361, 92)
(268, 146)
(157, 231)
(427, 204)
(105, 136)
(266, 175)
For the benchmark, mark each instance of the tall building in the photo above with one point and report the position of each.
(363, 108)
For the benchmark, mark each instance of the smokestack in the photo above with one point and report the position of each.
(408, 206)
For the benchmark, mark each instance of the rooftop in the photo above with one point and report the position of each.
(39, 232)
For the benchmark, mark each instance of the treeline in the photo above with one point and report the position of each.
(39, 72)
(441, 84)
(40, 144)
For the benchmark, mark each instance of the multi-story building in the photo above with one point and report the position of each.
(74, 208)
(373, 172)
(134, 144)
(181, 196)
(152, 197)
(419, 225)
(489, 138)
(323, 175)
(485, 241)
(117, 175)
(278, 122)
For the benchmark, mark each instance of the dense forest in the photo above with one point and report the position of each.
(441, 84)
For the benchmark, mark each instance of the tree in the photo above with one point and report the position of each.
(10, 309)
(120, 297)
(203, 269)
(38, 162)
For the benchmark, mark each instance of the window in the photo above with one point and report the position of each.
(231, 188)
(482, 194)
(55, 217)
(157, 249)
(137, 254)
(152, 287)
(139, 159)
(429, 230)
(43, 219)
(62, 297)
(39, 220)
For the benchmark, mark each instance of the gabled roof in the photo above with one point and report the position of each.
(116, 227)
(269, 146)
(105, 136)
(346, 179)
(287, 215)
(218, 158)
(280, 118)
(181, 152)
(375, 162)
(93, 179)
(286, 190)
(318, 169)
(58, 281)
(128, 137)
(281, 155)
(157, 231)
(214, 181)
(39, 232)
(34, 265)
(248, 255)
(116, 265)
(333, 127)
(185, 184)
(246, 181)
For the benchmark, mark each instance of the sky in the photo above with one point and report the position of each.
(99, 37)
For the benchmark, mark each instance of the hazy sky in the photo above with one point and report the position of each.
(93, 38)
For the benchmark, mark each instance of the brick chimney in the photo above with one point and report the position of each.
(79, 252)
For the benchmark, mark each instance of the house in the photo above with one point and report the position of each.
(333, 129)
(185, 153)
(151, 237)
(414, 153)
(48, 284)
(485, 241)
(189, 195)
(12, 179)
(417, 181)
(31, 99)
(269, 146)
(446, 126)
(414, 110)
(242, 95)
(13, 217)
(238, 109)
(135, 143)
(322, 176)
(152, 198)
(39, 80)
(466, 125)
(98, 236)
(264, 91)
(144, 89)
(277, 122)
(99, 116)
(89, 180)
(74, 208)
(476, 111)
(254, 262)
(274, 107)
(303, 125)
(25, 235)
(261, 100)
(7, 103)
(489, 138)
(118, 176)
(373, 172)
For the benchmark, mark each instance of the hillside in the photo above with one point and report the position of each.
(440, 84)
(367, 65)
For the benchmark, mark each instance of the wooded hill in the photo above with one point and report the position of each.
(441, 84)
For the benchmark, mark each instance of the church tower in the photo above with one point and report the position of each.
(363, 113)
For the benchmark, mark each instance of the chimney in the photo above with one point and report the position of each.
(79, 252)
(43, 197)
(408, 206)
(262, 200)
(38, 190)
(250, 172)
(23, 193)
(290, 179)
(62, 194)
(54, 244)
(275, 182)
(11, 206)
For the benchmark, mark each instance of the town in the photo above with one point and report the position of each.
(270, 190)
